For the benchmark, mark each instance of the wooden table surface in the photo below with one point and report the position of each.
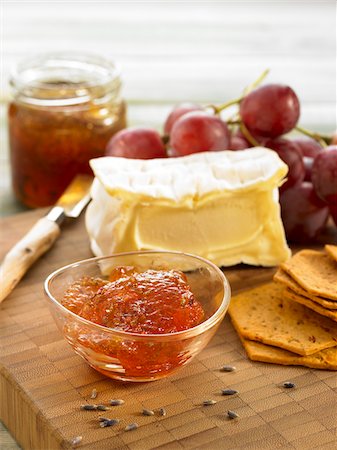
(176, 51)
(43, 382)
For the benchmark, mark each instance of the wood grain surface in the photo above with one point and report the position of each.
(43, 382)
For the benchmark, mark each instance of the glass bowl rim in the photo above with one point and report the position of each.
(197, 330)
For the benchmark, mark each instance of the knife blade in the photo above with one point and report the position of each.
(43, 234)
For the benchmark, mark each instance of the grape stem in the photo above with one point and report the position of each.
(234, 119)
(233, 122)
(165, 139)
(256, 83)
(219, 108)
(236, 101)
(316, 136)
(248, 136)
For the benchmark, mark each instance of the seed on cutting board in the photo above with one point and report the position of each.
(93, 393)
(162, 412)
(108, 423)
(89, 407)
(232, 414)
(229, 391)
(102, 408)
(131, 426)
(209, 402)
(116, 402)
(148, 412)
(289, 384)
(227, 368)
(76, 441)
(102, 419)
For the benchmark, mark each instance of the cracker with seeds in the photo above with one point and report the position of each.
(331, 313)
(331, 251)
(283, 278)
(324, 359)
(263, 314)
(314, 271)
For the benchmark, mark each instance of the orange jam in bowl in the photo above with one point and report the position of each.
(138, 316)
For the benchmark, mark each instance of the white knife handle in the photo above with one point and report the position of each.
(18, 260)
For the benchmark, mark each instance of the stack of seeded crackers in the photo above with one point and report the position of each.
(292, 320)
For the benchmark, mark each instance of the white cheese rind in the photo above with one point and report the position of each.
(220, 205)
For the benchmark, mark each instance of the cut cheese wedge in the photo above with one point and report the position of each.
(221, 205)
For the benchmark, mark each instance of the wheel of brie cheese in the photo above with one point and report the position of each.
(221, 205)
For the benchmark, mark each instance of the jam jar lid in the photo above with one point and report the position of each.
(65, 79)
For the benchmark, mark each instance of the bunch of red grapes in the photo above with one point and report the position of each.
(265, 114)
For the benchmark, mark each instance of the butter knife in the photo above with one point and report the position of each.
(43, 234)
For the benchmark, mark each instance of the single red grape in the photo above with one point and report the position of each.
(291, 155)
(198, 131)
(304, 215)
(138, 143)
(177, 112)
(324, 178)
(270, 110)
(237, 142)
(238, 134)
(324, 174)
(261, 140)
(308, 147)
(308, 162)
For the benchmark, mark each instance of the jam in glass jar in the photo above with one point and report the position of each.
(64, 110)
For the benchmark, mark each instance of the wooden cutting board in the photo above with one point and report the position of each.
(43, 382)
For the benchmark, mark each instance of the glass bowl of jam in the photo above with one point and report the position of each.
(138, 316)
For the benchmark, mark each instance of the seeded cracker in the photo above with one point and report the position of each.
(325, 359)
(283, 278)
(331, 313)
(331, 251)
(263, 314)
(315, 271)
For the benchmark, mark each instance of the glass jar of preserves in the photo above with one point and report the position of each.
(64, 110)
